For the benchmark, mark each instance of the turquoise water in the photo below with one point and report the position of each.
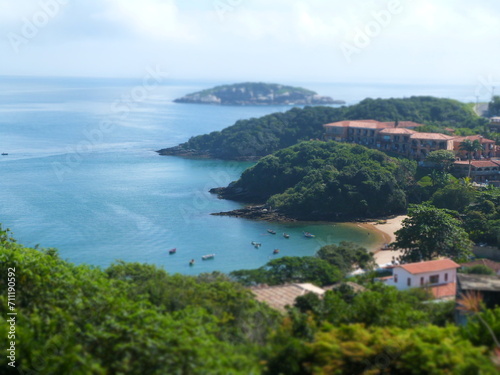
(100, 193)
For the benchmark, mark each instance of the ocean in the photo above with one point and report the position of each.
(81, 174)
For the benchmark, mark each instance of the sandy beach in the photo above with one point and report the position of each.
(386, 232)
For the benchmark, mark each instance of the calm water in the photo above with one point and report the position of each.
(83, 177)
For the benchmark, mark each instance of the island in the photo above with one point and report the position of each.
(257, 93)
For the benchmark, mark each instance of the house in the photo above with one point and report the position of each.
(495, 124)
(481, 170)
(488, 287)
(280, 296)
(488, 151)
(439, 276)
(492, 265)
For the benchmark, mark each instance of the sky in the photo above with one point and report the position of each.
(378, 41)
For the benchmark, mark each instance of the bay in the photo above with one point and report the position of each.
(82, 175)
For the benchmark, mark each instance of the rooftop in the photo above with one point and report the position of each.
(473, 138)
(280, 296)
(495, 266)
(432, 136)
(404, 124)
(397, 131)
(429, 266)
(479, 163)
(357, 123)
(444, 290)
(478, 282)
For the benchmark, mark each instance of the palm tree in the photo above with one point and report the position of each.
(470, 147)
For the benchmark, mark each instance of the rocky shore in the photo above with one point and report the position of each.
(261, 212)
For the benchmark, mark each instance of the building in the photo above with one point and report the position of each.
(495, 124)
(280, 296)
(401, 138)
(488, 151)
(481, 170)
(439, 276)
(488, 288)
(492, 265)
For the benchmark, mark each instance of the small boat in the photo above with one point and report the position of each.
(309, 235)
(256, 244)
(271, 231)
(172, 251)
(191, 262)
(208, 256)
(276, 251)
(4, 154)
(286, 235)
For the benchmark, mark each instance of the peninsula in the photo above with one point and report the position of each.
(257, 93)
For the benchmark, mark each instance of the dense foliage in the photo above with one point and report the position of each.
(347, 256)
(258, 137)
(327, 180)
(137, 319)
(131, 319)
(430, 232)
(494, 106)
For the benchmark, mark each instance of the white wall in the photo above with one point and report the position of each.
(401, 276)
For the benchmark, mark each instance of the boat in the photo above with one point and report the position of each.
(271, 231)
(4, 154)
(191, 262)
(208, 256)
(276, 251)
(309, 235)
(286, 235)
(256, 244)
(172, 251)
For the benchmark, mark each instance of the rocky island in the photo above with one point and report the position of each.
(251, 93)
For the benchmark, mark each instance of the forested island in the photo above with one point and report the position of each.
(257, 93)
(257, 137)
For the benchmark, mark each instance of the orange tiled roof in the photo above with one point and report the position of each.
(479, 163)
(397, 131)
(473, 138)
(404, 124)
(495, 266)
(445, 290)
(432, 136)
(349, 123)
(430, 266)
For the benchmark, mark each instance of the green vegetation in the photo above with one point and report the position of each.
(254, 138)
(137, 319)
(494, 106)
(327, 180)
(347, 256)
(429, 232)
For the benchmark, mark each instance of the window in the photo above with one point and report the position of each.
(434, 279)
(396, 278)
(409, 281)
(445, 277)
(421, 281)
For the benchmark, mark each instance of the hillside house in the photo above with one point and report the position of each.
(439, 276)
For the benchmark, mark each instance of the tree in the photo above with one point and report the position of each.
(453, 197)
(494, 106)
(430, 232)
(346, 256)
(444, 158)
(470, 147)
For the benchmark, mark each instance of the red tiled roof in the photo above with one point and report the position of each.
(479, 163)
(349, 123)
(429, 266)
(404, 124)
(495, 266)
(279, 296)
(432, 136)
(443, 291)
(397, 131)
(473, 138)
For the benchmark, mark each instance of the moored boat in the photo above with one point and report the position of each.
(172, 251)
(271, 231)
(309, 235)
(191, 262)
(4, 154)
(208, 256)
(286, 235)
(276, 251)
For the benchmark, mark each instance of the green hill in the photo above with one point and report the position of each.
(257, 137)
